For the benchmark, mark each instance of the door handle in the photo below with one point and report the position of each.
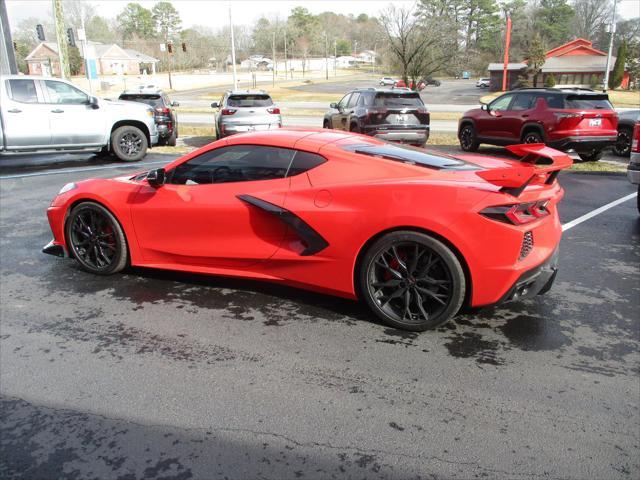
(57, 110)
(525, 115)
(14, 110)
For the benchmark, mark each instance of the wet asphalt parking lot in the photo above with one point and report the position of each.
(152, 374)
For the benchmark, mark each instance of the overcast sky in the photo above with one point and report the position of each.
(214, 13)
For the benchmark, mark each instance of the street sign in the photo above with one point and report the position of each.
(163, 47)
(82, 36)
(92, 69)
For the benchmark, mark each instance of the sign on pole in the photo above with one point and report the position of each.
(163, 47)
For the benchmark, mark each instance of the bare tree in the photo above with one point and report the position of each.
(419, 45)
(590, 17)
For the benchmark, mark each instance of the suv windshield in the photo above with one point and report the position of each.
(411, 155)
(588, 102)
(249, 101)
(391, 99)
(151, 100)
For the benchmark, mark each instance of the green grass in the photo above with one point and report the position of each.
(611, 167)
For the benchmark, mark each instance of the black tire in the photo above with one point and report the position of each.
(325, 124)
(173, 139)
(411, 281)
(468, 138)
(129, 143)
(95, 239)
(354, 128)
(622, 147)
(590, 156)
(532, 136)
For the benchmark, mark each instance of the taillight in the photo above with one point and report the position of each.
(228, 111)
(163, 111)
(274, 110)
(568, 120)
(519, 214)
(635, 143)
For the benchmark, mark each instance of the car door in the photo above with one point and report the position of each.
(197, 217)
(74, 121)
(339, 118)
(518, 114)
(491, 123)
(350, 111)
(25, 116)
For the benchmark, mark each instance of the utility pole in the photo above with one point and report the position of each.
(61, 36)
(612, 27)
(326, 57)
(286, 67)
(82, 36)
(233, 51)
(273, 59)
(507, 42)
(8, 63)
(335, 56)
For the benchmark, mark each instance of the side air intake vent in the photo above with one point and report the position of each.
(527, 245)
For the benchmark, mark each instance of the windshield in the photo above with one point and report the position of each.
(151, 100)
(588, 102)
(411, 155)
(398, 100)
(249, 101)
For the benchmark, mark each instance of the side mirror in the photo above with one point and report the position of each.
(333, 105)
(93, 102)
(484, 107)
(175, 104)
(215, 104)
(156, 178)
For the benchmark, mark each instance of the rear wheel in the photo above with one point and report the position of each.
(532, 136)
(354, 128)
(411, 281)
(96, 239)
(129, 143)
(325, 124)
(590, 156)
(468, 139)
(622, 147)
(173, 139)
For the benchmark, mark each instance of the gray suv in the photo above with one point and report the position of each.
(396, 114)
(245, 111)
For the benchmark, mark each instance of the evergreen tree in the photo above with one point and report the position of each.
(615, 79)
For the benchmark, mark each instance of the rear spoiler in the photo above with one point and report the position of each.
(537, 162)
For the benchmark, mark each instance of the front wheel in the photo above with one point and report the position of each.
(129, 143)
(411, 281)
(95, 239)
(590, 156)
(468, 139)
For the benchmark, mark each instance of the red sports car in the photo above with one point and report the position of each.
(414, 233)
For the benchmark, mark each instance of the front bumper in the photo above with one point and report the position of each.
(536, 281)
(415, 136)
(583, 143)
(633, 172)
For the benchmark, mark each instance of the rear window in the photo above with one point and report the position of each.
(249, 101)
(411, 155)
(151, 100)
(392, 99)
(588, 102)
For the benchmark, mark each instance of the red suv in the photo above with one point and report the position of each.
(582, 120)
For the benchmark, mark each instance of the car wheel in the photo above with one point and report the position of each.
(95, 239)
(354, 128)
(325, 124)
(590, 156)
(468, 139)
(173, 139)
(129, 143)
(411, 281)
(532, 137)
(622, 147)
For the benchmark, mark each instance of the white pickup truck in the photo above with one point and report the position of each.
(40, 114)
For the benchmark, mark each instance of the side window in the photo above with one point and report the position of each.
(354, 100)
(523, 101)
(235, 163)
(60, 92)
(344, 101)
(366, 99)
(501, 103)
(554, 101)
(303, 161)
(23, 91)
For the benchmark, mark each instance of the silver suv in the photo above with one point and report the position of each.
(245, 111)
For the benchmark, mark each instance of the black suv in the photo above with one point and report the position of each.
(165, 116)
(397, 115)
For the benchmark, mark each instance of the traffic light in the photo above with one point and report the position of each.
(70, 38)
(184, 47)
(170, 47)
(40, 32)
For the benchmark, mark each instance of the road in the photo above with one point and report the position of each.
(152, 374)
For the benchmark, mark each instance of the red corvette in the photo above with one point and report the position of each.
(415, 234)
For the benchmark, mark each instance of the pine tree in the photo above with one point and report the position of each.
(615, 79)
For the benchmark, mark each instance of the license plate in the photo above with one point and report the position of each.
(595, 122)
(401, 118)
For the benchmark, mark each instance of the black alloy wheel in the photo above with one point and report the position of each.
(96, 239)
(532, 137)
(129, 143)
(622, 147)
(468, 139)
(412, 281)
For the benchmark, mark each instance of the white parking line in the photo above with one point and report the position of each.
(84, 169)
(597, 211)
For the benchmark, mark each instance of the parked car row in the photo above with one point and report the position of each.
(421, 84)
